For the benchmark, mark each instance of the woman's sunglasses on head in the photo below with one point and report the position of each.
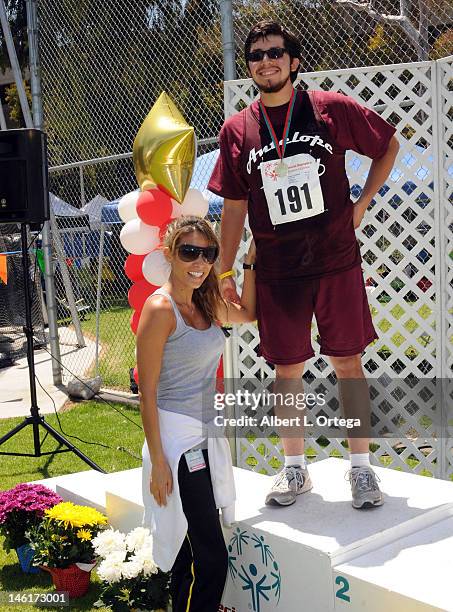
(273, 53)
(190, 252)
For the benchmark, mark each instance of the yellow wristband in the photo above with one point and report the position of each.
(226, 274)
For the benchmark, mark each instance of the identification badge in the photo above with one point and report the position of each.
(195, 460)
(294, 194)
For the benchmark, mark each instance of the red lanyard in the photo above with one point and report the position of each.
(289, 113)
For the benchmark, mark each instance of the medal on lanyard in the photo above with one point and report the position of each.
(282, 168)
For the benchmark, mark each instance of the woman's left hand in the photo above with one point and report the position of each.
(161, 484)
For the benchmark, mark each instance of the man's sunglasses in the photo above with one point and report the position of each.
(190, 252)
(273, 53)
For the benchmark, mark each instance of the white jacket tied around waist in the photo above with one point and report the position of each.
(168, 524)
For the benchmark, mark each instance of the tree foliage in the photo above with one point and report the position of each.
(113, 62)
(420, 22)
(443, 46)
(13, 102)
(17, 19)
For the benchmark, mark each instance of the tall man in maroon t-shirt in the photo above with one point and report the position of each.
(282, 160)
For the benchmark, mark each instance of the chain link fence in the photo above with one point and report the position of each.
(13, 342)
(104, 64)
(103, 67)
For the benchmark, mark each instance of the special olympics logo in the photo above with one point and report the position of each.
(271, 171)
(262, 577)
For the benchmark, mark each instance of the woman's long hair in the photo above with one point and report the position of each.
(207, 297)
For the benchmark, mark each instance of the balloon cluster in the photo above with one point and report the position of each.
(164, 154)
(147, 215)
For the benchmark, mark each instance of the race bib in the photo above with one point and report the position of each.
(292, 189)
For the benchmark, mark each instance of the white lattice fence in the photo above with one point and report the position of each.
(406, 239)
(445, 181)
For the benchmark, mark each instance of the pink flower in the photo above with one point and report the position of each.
(34, 498)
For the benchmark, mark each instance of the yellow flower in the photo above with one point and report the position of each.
(72, 515)
(84, 534)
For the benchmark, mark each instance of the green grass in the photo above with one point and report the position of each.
(91, 421)
(117, 345)
(13, 579)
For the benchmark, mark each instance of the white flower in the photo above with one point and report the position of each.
(131, 568)
(145, 558)
(119, 562)
(111, 569)
(138, 538)
(109, 541)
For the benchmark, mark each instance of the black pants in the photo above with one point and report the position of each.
(199, 572)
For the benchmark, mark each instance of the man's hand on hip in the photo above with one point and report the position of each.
(359, 211)
(379, 171)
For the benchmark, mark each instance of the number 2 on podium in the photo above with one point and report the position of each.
(344, 588)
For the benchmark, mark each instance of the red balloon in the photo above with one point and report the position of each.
(138, 294)
(220, 383)
(164, 190)
(154, 207)
(134, 321)
(135, 374)
(133, 267)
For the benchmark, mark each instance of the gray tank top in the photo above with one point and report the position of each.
(191, 356)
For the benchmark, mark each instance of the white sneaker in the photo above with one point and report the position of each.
(364, 488)
(288, 484)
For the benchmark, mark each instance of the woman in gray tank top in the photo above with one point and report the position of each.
(179, 344)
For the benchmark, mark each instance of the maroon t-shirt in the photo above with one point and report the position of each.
(324, 125)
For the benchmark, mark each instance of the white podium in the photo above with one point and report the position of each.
(412, 574)
(92, 487)
(319, 554)
(284, 558)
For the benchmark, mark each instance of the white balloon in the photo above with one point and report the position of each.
(156, 268)
(177, 209)
(127, 206)
(195, 203)
(139, 238)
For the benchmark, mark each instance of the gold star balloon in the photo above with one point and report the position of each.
(164, 150)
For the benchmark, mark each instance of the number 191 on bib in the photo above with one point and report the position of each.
(290, 199)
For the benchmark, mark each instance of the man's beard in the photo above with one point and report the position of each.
(272, 88)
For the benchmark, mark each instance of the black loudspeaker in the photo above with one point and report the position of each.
(24, 196)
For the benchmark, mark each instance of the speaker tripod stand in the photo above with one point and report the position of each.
(35, 420)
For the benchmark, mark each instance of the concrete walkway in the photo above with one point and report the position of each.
(15, 385)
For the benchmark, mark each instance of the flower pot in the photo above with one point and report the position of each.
(25, 555)
(72, 579)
